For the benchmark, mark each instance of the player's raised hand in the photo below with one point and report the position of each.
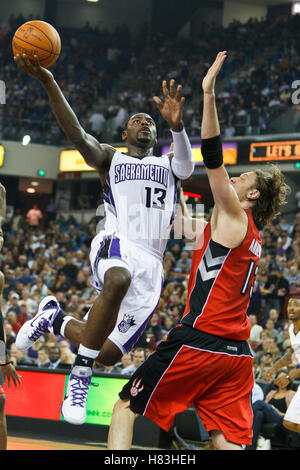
(33, 70)
(209, 80)
(171, 108)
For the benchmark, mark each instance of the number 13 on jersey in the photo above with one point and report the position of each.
(155, 197)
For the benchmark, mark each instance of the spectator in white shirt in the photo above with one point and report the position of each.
(138, 358)
(255, 329)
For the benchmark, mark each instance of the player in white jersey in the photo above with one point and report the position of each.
(291, 420)
(140, 190)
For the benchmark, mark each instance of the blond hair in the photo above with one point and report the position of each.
(273, 193)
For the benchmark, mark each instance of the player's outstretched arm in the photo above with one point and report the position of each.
(95, 154)
(225, 197)
(185, 225)
(171, 109)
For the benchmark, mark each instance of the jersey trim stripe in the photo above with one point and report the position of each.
(248, 275)
(114, 249)
(130, 343)
(192, 290)
(210, 266)
(107, 193)
(218, 352)
(158, 382)
(175, 200)
(212, 286)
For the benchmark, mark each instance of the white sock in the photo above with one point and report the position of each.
(86, 352)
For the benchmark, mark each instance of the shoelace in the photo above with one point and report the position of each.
(79, 390)
(42, 327)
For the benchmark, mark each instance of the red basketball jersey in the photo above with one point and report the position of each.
(221, 283)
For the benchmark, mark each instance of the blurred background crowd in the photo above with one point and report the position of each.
(120, 73)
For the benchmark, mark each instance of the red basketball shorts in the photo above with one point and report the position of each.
(195, 368)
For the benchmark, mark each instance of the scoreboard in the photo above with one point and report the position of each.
(275, 151)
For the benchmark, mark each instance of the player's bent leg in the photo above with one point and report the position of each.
(104, 312)
(3, 428)
(220, 442)
(101, 321)
(50, 319)
(291, 426)
(73, 331)
(110, 354)
(121, 426)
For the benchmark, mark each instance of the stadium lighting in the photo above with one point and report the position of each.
(26, 139)
(34, 183)
(296, 8)
(92, 1)
(30, 190)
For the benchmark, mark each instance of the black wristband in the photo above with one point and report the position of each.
(212, 152)
(6, 364)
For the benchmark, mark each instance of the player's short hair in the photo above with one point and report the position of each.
(273, 193)
(127, 121)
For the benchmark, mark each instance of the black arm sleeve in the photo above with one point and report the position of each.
(212, 152)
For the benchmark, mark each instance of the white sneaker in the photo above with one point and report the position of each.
(38, 325)
(74, 405)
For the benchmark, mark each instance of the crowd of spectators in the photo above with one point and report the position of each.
(107, 76)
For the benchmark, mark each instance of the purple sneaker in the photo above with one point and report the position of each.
(40, 324)
(74, 405)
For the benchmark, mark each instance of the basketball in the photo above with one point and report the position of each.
(37, 38)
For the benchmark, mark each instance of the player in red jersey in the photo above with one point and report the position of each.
(206, 360)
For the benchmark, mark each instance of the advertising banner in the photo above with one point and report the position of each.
(42, 393)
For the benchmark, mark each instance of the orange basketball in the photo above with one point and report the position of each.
(37, 38)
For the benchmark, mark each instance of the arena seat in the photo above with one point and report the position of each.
(280, 439)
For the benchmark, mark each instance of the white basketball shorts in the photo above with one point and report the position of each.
(143, 295)
(293, 412)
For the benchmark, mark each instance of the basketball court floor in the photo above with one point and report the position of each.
(23, 443)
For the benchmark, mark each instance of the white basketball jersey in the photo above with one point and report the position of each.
(295, 341)
(141, 194)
